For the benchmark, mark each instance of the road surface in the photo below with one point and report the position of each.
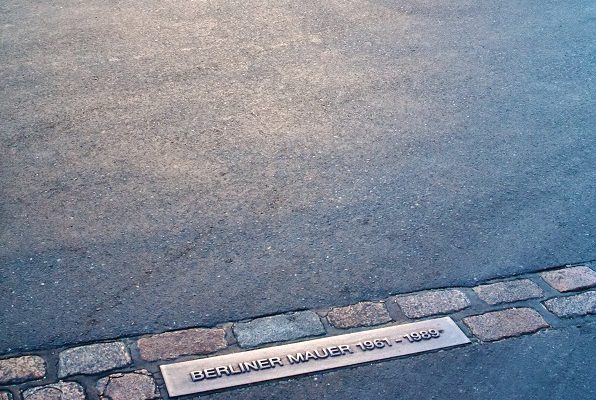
(184, 163)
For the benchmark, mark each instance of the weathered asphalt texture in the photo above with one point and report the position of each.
(182, 163)
(553, 365)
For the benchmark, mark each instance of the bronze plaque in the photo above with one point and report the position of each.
(276, 362)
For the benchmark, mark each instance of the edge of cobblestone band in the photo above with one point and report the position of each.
(509, 312)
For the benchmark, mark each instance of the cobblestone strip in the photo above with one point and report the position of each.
(278, 328)
(571, 279)
(56, 391)
(482, 309)
(573, 306)
(21, 369)
(137, 385)
(433, 302)
(508, 292)
(92, 359)
(498, 325)
(362, 314)
(5, 396)
(175, 344)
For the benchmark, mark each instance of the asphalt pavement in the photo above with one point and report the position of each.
(184, 163)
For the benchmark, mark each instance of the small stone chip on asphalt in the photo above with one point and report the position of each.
(278, 328)
(508, 292)
(502, 324)
(360, 314)
(573, 306)
(92, 359)
(56, 391)
(22, 369)
(569, 279)
(137, 385)
(432, 302)
(174, 344)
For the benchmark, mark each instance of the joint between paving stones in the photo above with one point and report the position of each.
(494, 310)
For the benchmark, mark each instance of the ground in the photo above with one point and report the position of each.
(186, 163)
(535, 367)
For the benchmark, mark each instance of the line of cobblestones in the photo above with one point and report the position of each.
(128, 368)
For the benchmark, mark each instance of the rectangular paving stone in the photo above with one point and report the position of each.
(56, 391)
(573, 306)
(508, 292)
(570, 279)
(93, 358)
(278, 328)
(361, 314)
(432, 302)
(502, 324)
(21, 369)
(137, 385)
(175, 344)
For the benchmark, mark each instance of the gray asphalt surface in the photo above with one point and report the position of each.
(183, 163)
(555, 365)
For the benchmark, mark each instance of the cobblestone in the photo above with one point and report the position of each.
(106, 357)
(509, 291)
(137, 385)
(21, 369)
(502, 324)
(361, 314)
(174, 344)
(573, 306)
(432, 302)
(570, 279)
(56, 391)
(278, 328)
(93, 358)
